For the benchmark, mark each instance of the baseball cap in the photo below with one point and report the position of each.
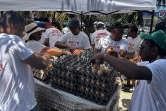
(40, 24)
(161, 26)
(100, 25)
(116, 25)
(74, 23)
(159, 37)
(48, 24)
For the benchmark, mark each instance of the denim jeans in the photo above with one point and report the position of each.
(36, 108)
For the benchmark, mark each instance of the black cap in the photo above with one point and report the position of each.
(161, 26)
(116, 25)
(74, 23)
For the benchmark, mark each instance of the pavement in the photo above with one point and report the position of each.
(124, 101)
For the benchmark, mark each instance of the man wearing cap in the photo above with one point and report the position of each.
(76, 41)
(41, 25)
(161, 26)
(150, 93)
(115, 40)
(17, 86)
(52, 34)
(33, 35)
(99, 33)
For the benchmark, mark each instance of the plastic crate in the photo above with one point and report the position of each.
(50, 99)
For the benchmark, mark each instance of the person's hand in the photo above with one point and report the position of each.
(71, 49)
(111, 51)
(97, 57)
(131, 60)
(111, 48)
(67, 52)
(77, 52)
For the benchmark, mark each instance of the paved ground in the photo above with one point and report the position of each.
(124, 101)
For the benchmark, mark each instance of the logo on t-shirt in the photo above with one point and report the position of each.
(99, 35)
(74, 43)
(55, 33)
(1, 66)
(131, 47)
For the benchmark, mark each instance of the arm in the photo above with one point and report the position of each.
(97, 50)
(127, 68)
(54, 51)
(61, 45)
(38, 61)
(47, 42)
(28, 56)
(93, 46)
(61, 42)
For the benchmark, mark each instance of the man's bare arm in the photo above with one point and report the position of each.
(39, 61)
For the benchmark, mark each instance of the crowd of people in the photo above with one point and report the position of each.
(34, 47)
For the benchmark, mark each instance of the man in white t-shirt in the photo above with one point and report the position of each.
(76, 41)
(91, 30)
(52, 35)
(115, 40)
(99, 33)
(17, 87)
(161, 26)
(150, 93)
(134, 41)
(65, 28)
(33, 35)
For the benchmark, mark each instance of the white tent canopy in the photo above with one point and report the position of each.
(77, 6)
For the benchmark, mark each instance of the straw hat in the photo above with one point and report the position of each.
(30, 29)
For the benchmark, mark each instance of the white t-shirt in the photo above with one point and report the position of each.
(80, 41)
(104, 42)
(17, 92)
(97, 35)
(151, 96)
(65, 30)
(43, 39)
(53, 34)
(134, 44)
(36, 46)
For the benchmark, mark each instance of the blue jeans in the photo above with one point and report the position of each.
(36, 108)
